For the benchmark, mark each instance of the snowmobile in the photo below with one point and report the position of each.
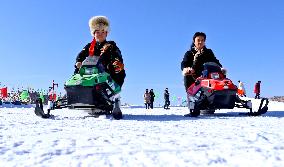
(91, 89)
(212, 90)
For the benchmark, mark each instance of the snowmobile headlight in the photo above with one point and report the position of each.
(215, 76)
(89, 71)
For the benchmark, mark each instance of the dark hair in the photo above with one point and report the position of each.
(196, 35)
(199, 34)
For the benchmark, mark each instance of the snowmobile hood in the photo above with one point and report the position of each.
(90, 76)
(224, 84)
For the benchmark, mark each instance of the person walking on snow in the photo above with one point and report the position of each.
(241, 89)
(147, 98)
(152, 94)
(167, 99)
(257, 90)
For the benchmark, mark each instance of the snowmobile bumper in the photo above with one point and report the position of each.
(80, 94)
(224, 99)
(90, 97)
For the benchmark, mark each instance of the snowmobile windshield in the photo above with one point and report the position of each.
(91, 65)
(210, 67)
(90, 60)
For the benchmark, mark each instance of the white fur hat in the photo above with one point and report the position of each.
(99, 23)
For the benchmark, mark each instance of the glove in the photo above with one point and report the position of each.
(78, 64)
(118, 66)
(224, 71)
(187, 71)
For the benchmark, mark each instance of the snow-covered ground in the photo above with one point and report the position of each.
(155, 137)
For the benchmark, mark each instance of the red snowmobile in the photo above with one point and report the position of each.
(213, 91)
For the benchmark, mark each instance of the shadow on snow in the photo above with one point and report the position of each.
(172, 117)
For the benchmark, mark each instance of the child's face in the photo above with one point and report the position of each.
(100, 35)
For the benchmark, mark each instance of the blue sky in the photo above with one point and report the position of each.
(39, 41)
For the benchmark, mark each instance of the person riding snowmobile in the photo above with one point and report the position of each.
(106, 53)
(192, 63)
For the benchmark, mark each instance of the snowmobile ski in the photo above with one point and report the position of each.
(262, 109)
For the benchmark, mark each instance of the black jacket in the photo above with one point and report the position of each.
(106, 59)
(166, 95)
(206, 56)
(152, 94)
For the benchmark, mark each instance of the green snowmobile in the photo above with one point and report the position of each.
(91, 89)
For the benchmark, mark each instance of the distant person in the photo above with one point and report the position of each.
(167, 98)
(107, 55)
(147, 98)
(193, 60)
(152, 95)
(241, 89)
(257, 90)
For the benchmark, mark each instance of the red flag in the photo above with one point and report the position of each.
(3, 92)
(52, 95)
